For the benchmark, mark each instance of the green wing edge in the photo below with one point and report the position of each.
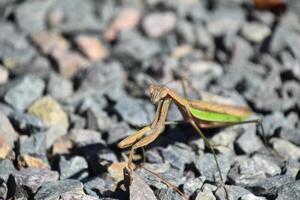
(216, 117)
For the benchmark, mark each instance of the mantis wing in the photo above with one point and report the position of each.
(216, 117)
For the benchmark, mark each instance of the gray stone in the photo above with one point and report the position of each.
(289, 191)
(53, 134)
(102, 79)
(82, 20)
(139, 189)
(255, 32)
(24, 91)
(73, 168)
(98, 120)
(3, 189)
(59, 87)
(178, 155)
(14, 47)
(31, 15)
(95, 186)
(269, 185)
(136, 112)
(130, 43)
(186, 31)
(248, 171)
(165, 194)
(6, 168)
(206, 165)
(286, 149)
(159, 23)
(83, 137)
(172, 175)
(33, 145)
(190, 186)
(52, 190)
(225, 21)
(117, 132)
(234, 192)
(248, 142)
(76, 196)
(33, 178)
(95, 101)
(251, 197)
(27, 123)
(206, 193)
(77, 121)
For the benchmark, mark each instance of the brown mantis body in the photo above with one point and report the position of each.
(163, 96)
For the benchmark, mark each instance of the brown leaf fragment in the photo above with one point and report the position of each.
(139, 190)
(278, 5)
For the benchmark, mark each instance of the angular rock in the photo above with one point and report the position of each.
(34, 144)
(178, 155)
(95, 186)
(26, 160)
(73, 168)
(206, 165)
(103, 79)
(98, 120)
(50, 112)
(126, 20)
(27, 123)
(50, 42)
(139, 189)
(118, 132)
(83, 19)
(286, 149)
(24, 91)
(3, 189)
(225, 21)
(59, 88)
(248, 142)
(170, 174)
(31, 15)
(7, 132)
(75, 196)
(158, 24)
(15, 49)
(289, 191)
(234, 192)
(192, 185)
(52, 190)
(206, 192)
(133, 42)
(164, 194)
(33, 178)
(6, 168)
(83, 137)
(255, 32)
(91, 47)
(251, 197)
(135, 111)
(248, 171)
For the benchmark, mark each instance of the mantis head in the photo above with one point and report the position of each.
(157, 93)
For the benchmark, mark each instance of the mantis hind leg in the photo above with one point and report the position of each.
(207, 143)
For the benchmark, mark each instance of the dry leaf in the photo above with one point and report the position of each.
(270, 4)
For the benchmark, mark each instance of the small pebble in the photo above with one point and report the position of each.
(49, 110)
(91, 47)
(255, 32)
(158, 24)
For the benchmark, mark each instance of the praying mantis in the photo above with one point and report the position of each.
(200, 114)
